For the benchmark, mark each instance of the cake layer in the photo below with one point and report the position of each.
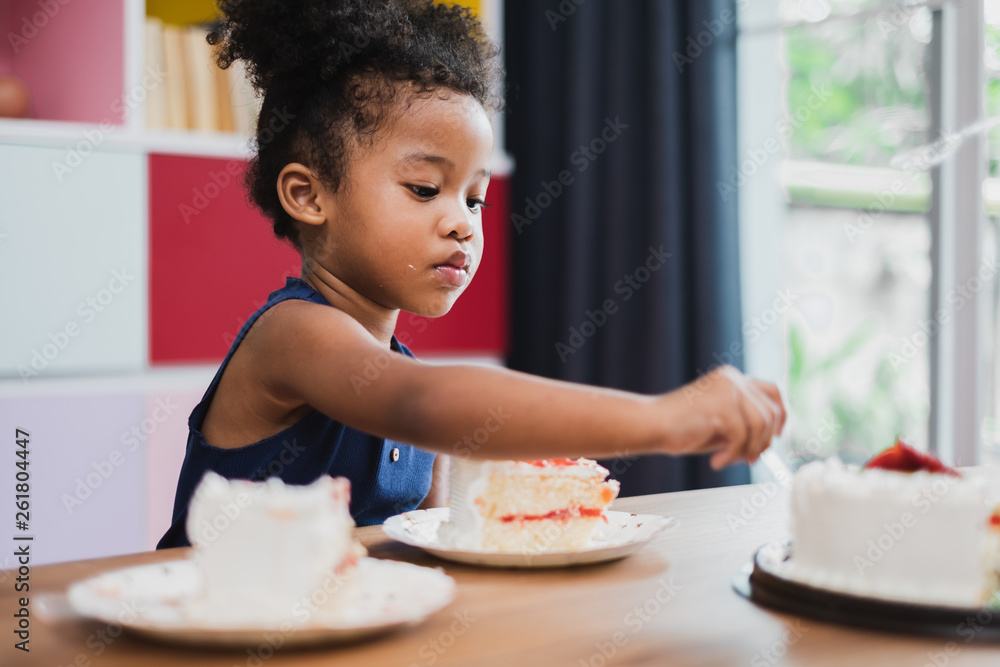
(534, 536)
(267, 550)
(515, 505)
(514, 494)
(917, 536)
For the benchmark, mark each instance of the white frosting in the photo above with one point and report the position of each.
(268, 551)
(483, 492)
(918, 537)
(467, 481)
(580, 468)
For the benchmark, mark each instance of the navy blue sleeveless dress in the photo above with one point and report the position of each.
(386, 477)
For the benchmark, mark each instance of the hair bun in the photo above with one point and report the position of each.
(313, 39)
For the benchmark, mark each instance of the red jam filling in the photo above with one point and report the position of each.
(556, 463)
(554, 515)
(903, 458)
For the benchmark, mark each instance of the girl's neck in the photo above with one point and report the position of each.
(379, 321)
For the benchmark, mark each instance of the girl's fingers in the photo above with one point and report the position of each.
(765, 413)
(751, 414)
(761, 416)
(774, 395)
(756, 424)
(736, 433)
(760, 423)
(719, 460)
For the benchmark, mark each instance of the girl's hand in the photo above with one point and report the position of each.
(727, 413)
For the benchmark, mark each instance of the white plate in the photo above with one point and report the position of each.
(624, 534)
(160, 601)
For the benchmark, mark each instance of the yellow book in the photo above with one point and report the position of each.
(201, 88)
(173, 60)
(156, 98)
(224, 108)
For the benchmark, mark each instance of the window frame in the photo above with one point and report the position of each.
(958, 229)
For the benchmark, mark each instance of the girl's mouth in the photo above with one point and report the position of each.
(455, 271)
(451, 274)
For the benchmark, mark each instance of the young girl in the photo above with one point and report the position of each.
(379, 180)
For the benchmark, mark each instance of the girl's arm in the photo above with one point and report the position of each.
(324, 358)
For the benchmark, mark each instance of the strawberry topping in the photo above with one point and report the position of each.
(903, 458)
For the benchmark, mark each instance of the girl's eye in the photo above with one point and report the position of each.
(423, 191)
(476, 205)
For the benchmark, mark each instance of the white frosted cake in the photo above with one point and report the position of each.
(270, 552)
(920, 536)
(526, 506)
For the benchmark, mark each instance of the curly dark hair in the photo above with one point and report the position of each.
(330, 70)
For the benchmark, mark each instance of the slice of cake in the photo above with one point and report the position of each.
(270, 552)
(526, 506)
(905, 527)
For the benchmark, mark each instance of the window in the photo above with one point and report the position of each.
(860, 124)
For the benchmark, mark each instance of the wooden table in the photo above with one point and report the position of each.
(671, 603)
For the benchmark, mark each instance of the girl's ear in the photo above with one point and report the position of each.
(302, 195)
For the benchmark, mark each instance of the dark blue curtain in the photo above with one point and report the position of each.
(621, 120)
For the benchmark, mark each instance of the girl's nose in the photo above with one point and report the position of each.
(459, 224)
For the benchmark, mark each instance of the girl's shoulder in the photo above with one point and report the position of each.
(304, 352)
(297, 319)
(301, 330)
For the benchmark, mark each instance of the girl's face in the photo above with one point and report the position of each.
(405, 228)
